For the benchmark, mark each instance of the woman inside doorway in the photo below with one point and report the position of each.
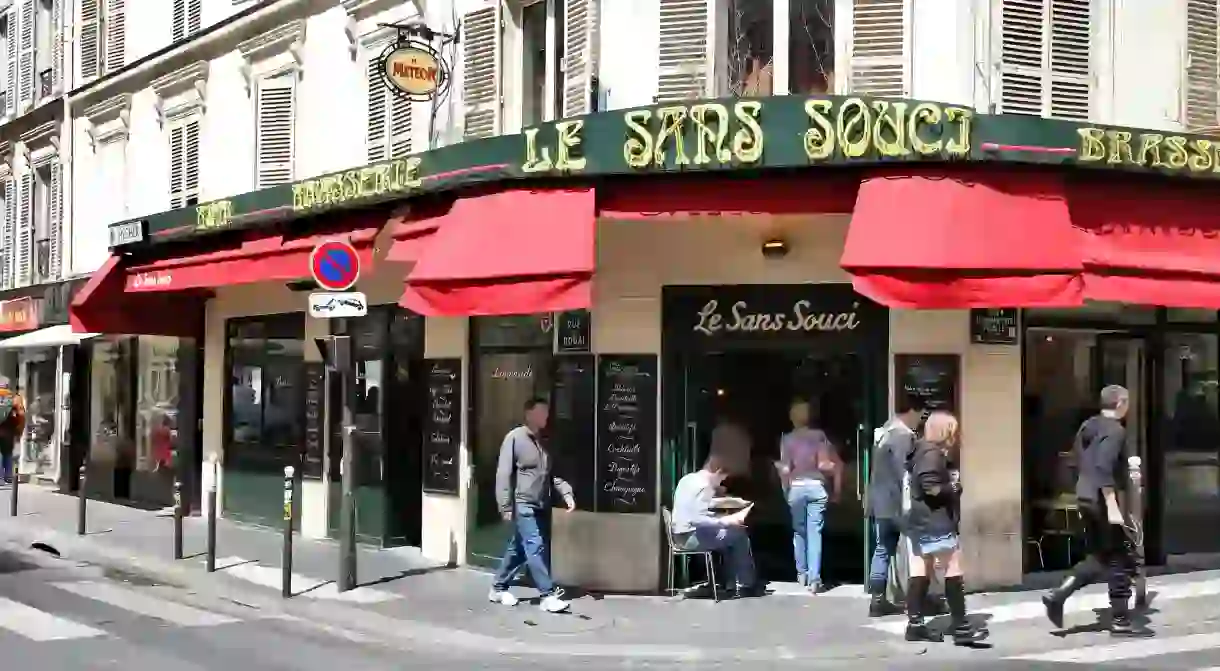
(808, 463)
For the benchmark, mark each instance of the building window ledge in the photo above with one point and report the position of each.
(181, 92)
(109, 120)
(280, 49)
(6, 161)
(362, 31)
(41, 143)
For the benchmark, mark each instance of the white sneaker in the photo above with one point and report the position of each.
(504, 598)
(554, 604)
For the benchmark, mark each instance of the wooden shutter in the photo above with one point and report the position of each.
(179, 21)
(177, 166)
(1202, 86)
(580, 52)
(90, 34)
(401, 126)
(377, 138)
(190, 167)
(275, 116)
(25, 230)
(116, 35)
(194, 21)
(57, 45)
(8, 236)
(1045, 57)
(682, 67)
(880, 53)
(25, 62)
(10, 56)
(55, 225)
(481, 46)
(1071, 59)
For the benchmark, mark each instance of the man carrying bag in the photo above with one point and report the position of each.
(12, 425)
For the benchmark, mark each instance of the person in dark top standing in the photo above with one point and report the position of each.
(1099, 450)
(892, 446)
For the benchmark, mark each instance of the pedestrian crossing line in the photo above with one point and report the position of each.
(272, 576)
(1080, 603)
(145, 604)
(36, 625)
(1119, 652)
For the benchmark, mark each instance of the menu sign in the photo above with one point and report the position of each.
(572, 427)
(994, 326)
(443, 426)
(626, 433)
(315, 400)
(931, 378)
(574, 331)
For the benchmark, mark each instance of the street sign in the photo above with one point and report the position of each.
(335, 265)
(326, 305)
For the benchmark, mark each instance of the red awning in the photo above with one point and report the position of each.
(514, 252)
(989, 239)
(410, 238)
(102, 306)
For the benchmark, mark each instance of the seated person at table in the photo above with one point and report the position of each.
(696, 527)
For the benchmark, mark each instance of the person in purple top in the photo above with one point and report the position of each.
(811, 471)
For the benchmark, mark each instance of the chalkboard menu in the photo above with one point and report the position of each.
(994, 326)
(572, 427)
(930, 378)
(315, 402)
(443, 426)
(574, 331)
(626, 433)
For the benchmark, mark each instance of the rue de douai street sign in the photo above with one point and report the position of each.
(704, 136)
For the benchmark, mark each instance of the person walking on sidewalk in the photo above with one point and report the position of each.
(932, 524)
(892, 447)
(523, 492)
(808, 465)
(12, 424)
(1099, 451)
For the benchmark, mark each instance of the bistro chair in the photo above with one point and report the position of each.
(676, 551)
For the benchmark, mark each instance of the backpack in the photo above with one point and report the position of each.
(8, 403)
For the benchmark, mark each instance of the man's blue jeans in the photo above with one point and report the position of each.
(807, 502)
(734, 543)
(887, 533)
(6, 466)
(528, 547)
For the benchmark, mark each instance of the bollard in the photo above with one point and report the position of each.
(211, 502)
(12, 504)
(1135, 509)
(177, 517)
(81, 499)
(286, 553)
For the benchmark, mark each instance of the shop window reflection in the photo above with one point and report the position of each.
(1191, 436)
(40, 455)
(112, 451)
(811, 47)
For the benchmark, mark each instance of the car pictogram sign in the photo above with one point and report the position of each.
(335, 265)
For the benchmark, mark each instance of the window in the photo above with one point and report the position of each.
(8, 47)
(389, 115)
(1202, 89)
(112, 444)
(1046, 57)
(42, 224)
(103, 37)
(184, 163)
(188, 18)
(44, 38)
(275, 121)
(25, 230)
(535, 106)
(25, 53)
(811, 45)
(8, 235)
(481, 48)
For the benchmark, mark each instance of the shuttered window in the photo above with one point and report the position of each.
(115, 25)
(1202, 86)
(9, 25)
(580, 55)
(25, 55)
(389, 116)
(25, 230)
(481, 48)
(275, 120)
(57, 46)
(880, 51)
(187, 18)
(184, 163)
(1046, 57)
(682, 70)
(90, 42)
(55, 227)
(8, 235)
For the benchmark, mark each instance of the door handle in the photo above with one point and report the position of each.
(692, 437)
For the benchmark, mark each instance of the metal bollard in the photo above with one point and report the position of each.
(177, 517)
(12, 505)
(81, 498)
(286, 553)
(1135, 508)
(211, 502)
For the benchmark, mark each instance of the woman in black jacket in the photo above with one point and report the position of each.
(933, 528)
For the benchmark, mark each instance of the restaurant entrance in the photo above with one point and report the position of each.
(744, 354)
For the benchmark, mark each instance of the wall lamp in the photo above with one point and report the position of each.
(775, 248)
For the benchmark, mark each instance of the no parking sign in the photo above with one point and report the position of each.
(334, 264)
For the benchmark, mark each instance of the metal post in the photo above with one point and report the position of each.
(347, 521)
(178, 512)
(286, 554)
(12, 506)
(1135, 509)
(211, 503)
(81, 498)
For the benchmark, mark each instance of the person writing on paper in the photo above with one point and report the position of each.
(697, 527)
(1101, 476)
(808, 463)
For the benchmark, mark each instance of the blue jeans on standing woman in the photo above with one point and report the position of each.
(807, 502)
(528, 548)
(886, 534)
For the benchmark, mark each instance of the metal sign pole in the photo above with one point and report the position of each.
(286, 554)
(347, 550)
(214, 468)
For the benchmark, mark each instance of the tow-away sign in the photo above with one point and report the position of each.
(329, 305)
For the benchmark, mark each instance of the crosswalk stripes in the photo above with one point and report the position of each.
(1127, 651)
(143, 604)
(37, 625)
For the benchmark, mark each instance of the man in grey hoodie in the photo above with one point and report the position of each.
(523, 492)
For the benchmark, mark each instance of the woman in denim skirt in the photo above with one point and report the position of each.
(932, 525)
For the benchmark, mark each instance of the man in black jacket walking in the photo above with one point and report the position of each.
(892, 447)
(1099, 450)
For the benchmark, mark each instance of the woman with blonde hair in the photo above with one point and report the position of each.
(933, 527)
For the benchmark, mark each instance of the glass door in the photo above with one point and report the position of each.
(1189, 436)
(1120, 360)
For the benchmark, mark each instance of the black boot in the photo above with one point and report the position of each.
(1121, 625)
(878, 605)
(963, 632)
(917, 629)
(1055, 599)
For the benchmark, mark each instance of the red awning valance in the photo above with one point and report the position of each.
(410, 237)
(102, 306)
(515, 252)
(991, 239)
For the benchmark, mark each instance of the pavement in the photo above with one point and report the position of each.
(439, 615)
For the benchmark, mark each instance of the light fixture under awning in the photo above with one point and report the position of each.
(51, 336)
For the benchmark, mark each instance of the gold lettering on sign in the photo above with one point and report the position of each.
(569, 155)
(853, 128)
(719, 135)
(1127, 149)
(389, 178)
(713, 133)
(214, 215)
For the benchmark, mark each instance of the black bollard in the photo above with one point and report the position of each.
(81, 499)
(177, 518)
(12, 505)
(211, 502)
(286, 554)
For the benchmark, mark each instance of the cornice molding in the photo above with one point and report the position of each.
(6, 159)
(359, 34)
(40, 137)
(184, 89)
(109, 120)
(289, 37)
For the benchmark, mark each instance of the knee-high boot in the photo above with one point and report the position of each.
(963, 632)
(917, 629)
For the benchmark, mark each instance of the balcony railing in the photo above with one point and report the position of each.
(45, 80)
(42, 261)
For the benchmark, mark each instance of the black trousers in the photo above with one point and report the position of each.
(1110, 555)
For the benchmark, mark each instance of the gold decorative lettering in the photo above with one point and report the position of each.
(890, 132)
(923, 116)
(214, 215)
(1091, 146)
(1175, 152)
(672, 121)
(1201, 159)
(535, 161)
(637, 150)
(1120, 147)
(568, 135)
(1150, 143)
(748, 140)
(854, 121)
(706, 135)
(820, 139)
(964, 118)
(368, 182)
